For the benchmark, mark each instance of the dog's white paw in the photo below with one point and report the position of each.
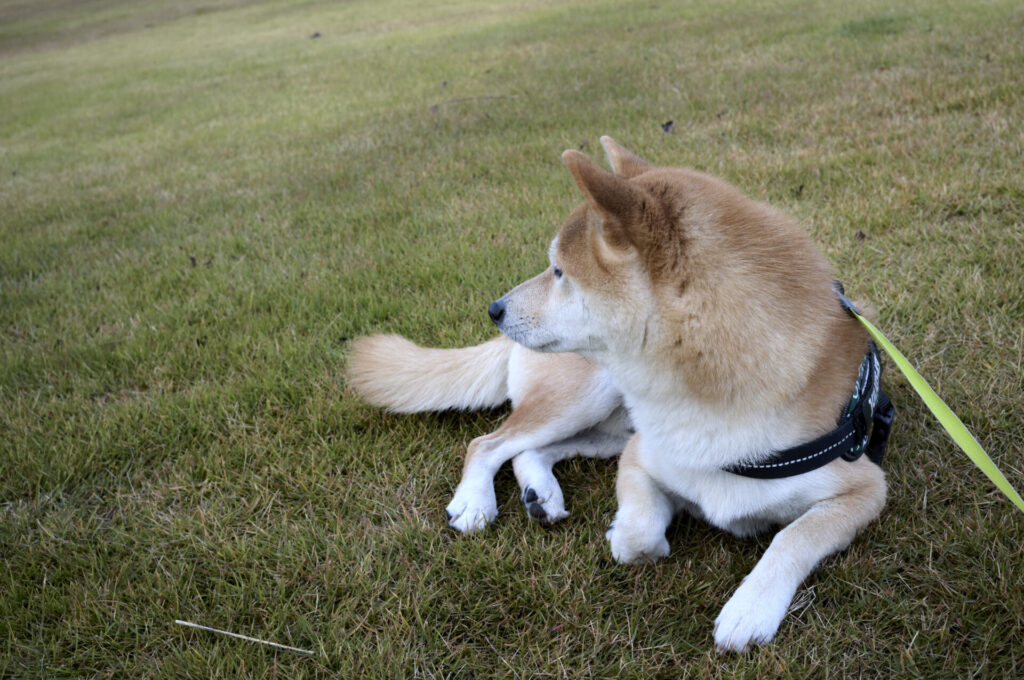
(542, 496)
(636, 546)
(544, 505)
(751, 616)
(473, 507)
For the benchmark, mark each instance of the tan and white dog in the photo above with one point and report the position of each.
(703, 320)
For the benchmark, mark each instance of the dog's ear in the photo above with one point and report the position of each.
(618, 201)
(624, 162)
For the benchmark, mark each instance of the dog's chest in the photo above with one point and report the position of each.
(685, 448)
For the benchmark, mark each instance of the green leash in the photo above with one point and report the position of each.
(960, 434)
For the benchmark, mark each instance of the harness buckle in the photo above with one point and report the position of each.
(885, 413)
(860, 430)
(861, 420)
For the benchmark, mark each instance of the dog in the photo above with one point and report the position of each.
(694, 330)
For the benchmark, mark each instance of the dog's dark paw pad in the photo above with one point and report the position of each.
(529, 496)
(536, 511)
(448, 515)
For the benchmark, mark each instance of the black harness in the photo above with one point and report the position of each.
(863, 428)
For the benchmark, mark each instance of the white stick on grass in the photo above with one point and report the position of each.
(242, 637)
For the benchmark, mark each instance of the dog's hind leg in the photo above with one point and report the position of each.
(754, 612)
(541, 494)
(550, 406)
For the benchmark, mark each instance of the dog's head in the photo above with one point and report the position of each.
(610, 260)
(682, 269)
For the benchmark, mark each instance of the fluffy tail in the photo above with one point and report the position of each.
(388, 370)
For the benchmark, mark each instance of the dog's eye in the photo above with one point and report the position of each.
(556, 271)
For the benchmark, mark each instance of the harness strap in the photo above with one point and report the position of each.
(802, 458)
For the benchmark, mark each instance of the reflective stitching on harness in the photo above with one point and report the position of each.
(800, 460)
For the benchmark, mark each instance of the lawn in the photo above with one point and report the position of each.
(202, 202)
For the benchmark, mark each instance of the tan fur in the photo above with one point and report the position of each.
(705, 246)
(553, 382)
(624, 162)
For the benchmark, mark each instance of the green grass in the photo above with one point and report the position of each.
(199, 206)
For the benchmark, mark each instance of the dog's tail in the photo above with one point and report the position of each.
(390, 371)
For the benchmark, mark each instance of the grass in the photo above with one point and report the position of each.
(201, 205)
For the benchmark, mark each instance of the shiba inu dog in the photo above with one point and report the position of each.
(694, 330)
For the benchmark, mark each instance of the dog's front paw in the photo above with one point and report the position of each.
(635, 546)
(546, 509)
(751, 616)
(473, 507)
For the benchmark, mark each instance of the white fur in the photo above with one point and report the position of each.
(685, 446)
(593, 424)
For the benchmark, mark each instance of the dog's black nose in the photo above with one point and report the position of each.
(497, 311)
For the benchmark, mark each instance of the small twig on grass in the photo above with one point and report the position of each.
(435, 107)
(243, 637)
(484, 96)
